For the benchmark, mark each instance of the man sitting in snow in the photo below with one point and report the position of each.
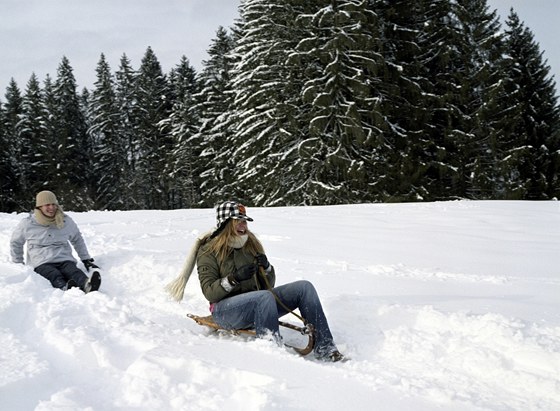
(49, 232)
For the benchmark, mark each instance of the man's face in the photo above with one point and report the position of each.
(49, 209)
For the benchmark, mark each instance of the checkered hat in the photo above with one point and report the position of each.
(230, 209)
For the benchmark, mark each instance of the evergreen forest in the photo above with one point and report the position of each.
(314, 102)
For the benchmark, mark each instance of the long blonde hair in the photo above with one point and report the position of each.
(219, 245)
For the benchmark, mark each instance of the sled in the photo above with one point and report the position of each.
(307, 330)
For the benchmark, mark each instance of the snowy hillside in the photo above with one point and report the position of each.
(442, 306)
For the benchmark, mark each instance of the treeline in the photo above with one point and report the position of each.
(315, 102)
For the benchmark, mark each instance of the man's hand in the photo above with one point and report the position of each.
(89, 264)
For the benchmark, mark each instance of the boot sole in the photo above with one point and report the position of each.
(95, 281)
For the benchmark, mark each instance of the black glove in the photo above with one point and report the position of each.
(243, 273)
(89, 264)
(262, 261)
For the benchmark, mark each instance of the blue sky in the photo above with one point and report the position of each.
(35, 34)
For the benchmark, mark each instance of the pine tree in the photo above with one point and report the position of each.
(153, 106)
(444, 62)
(261, 122)
(304, 112)
(34, 140)
(71, 180)
(128, 123)
(109, 155)
(480, 47)
(406, 91)
(182, 125)
(91, 178)
(4, 157)
(261, 161)
(7, 176)
(530, 156)
(10, 170)
(49, 151)
(212, 105)
(341, 91)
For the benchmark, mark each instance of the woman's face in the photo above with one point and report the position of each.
(240, 227)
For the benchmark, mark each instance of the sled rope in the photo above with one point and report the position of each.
(178, 286)
(307, 327)
(263, 275)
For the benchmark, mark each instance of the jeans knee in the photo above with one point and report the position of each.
(306, 284)
(266, 299)
(306, 287)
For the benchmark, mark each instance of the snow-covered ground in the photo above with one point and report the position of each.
(440, 306)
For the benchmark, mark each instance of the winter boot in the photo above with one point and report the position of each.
(335, 356)
(93, 283)
(70, 284)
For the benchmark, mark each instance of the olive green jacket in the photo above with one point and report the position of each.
(211, 273)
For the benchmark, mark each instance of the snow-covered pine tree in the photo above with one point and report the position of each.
(107, 141)
(304, 113)
(71, 152)
(259, 159)
(92, 180)
(440, 177)
(34, 147)
(154, 104)
(5, 182)
(128, 123)
(49, 149)
(212, 105)
(406, 92)
(479, 73)
(182, 124)
(11, 141)
(343, 150)
(529, 159)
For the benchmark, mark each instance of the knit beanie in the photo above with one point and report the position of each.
(48, 197)
(45, 197)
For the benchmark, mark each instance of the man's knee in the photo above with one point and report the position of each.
(48, 271)
(58, 282)
(71, 271)
(51, 273)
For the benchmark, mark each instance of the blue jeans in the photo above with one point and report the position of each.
(260, 310)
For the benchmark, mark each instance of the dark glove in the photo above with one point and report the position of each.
(262, 261)
(244, 273)
(89, 264)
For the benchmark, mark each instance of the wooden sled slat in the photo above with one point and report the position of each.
(208, 321)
